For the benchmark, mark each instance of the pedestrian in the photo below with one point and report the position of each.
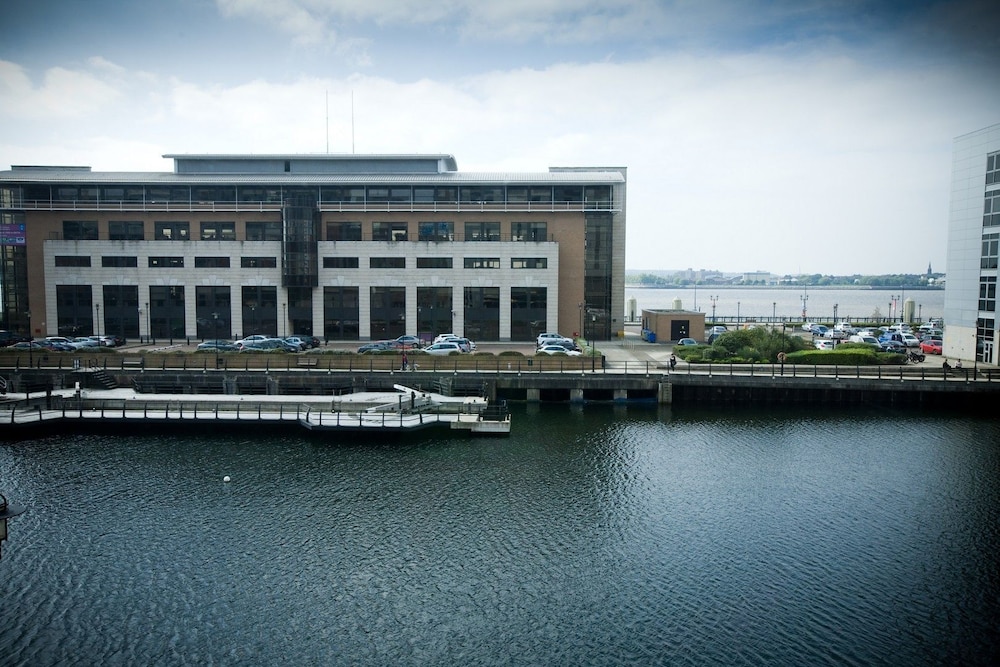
(958, 365)
(405, 361)
(673, 362)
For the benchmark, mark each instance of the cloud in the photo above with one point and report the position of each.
(62, 93)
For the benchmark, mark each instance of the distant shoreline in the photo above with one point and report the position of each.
(713, 286)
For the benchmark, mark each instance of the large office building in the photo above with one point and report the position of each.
(973, 236)
(343, 247)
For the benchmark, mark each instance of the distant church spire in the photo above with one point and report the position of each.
(929, 272)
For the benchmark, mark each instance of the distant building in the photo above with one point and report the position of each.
(343, 247)
(973, 236)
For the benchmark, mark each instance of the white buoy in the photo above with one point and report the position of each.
(226, 478)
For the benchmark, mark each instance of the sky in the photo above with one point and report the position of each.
(790, 136)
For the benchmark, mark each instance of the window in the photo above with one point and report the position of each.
(478, 194)
(80, 230)
(126, 230)
(387, 263)
(568, 193)
(434, 262)
(436, 231)
(482, 231)
(529, 263)
(259, 262)
(597, 196)
(482, 262)
(166, 262)
(990, 251)
(343, 231)
(340, 262)
(172, 231)
(529, 231)
(263, 231)
(118, 261)
(73, 260)
(993, 169)
(211, 262)
(218, 231)
(988, 293)
(389, 231)
(991, 208)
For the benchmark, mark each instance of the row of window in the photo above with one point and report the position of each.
(164, 309)
(596, 195)
(993, 168)
(991, 208)
(988, 293)
(127, 261)
(134, 230)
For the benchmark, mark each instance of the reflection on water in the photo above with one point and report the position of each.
(591, 536)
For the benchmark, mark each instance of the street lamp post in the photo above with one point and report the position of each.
(284, 318)
(97, 322)
(835, 306)
(31, 338)
(149, 332)
(713, 299)
(737, 314)
(215, 319)
(774, 311)
(582, 306)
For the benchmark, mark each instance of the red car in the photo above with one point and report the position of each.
(932, 346)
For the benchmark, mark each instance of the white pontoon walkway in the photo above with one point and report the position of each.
(404, 409)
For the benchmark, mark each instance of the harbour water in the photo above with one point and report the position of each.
(786, 303)
(591, 536)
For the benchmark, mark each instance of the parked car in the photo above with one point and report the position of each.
(893, 346)
(62, 340)
(29, 345)
(566, 345)
(379, 346)
(807, 326)
(909, 340)
(557, 349)
(835, 334)
(867, 340)
(931, 346)
(819, 330)
(824, 343)
(687, 341)
(546, 338)
(311, 342)
(408, 342)
(86, 341)
(216, 345)
(717, 329)
(300, 343)
(269, 345)
(255, 338)
(443, 348)
(9, 338)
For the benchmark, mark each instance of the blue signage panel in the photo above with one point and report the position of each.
(12, 235)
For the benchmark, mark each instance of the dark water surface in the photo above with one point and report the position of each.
(593, 536)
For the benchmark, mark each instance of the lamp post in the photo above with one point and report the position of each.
(835, 306)
(31, 339)
(284, 318)
(713, 299)
(774, 311)
(805, 298)
(97, 321)
(215, 320)
(149, 332)
(737, 314)
(582, 306)
(7, 510)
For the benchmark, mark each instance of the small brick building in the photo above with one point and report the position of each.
(664, 326)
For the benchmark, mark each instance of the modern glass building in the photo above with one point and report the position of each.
(973, 234)
(343, 247)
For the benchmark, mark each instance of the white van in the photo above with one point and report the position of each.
(867, 340)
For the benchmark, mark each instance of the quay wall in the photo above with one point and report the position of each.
(844, 386)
